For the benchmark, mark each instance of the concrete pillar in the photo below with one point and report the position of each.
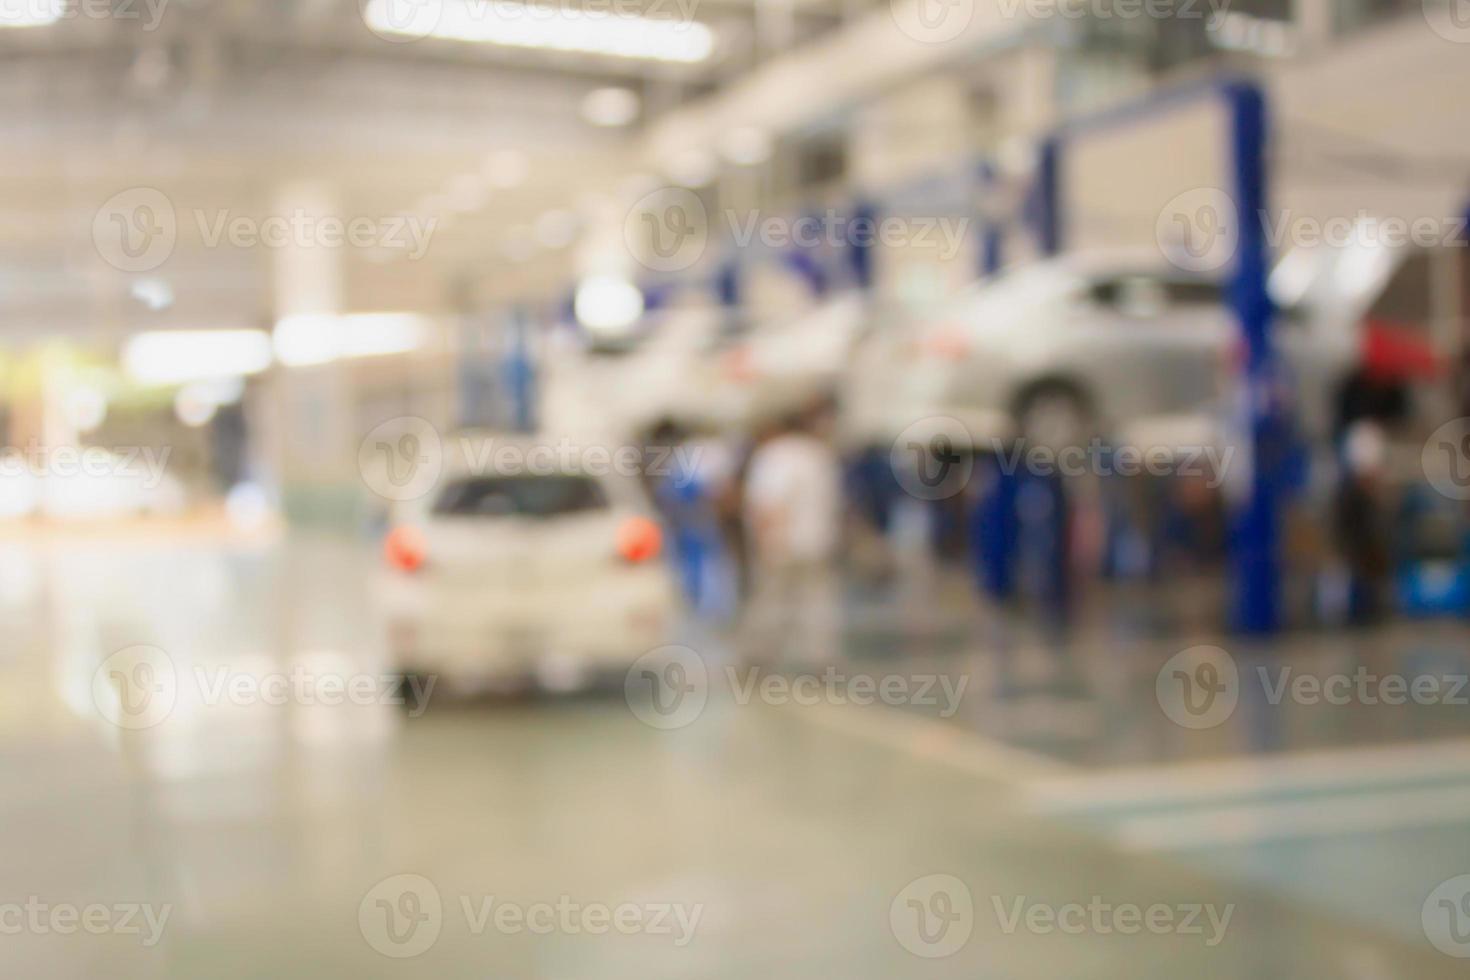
(308, 412)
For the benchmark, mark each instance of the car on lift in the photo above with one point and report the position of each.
(1114, 344)
(535, 577)
(781, 365)
(662, 370)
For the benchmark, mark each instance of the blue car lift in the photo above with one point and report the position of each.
(1255, 519)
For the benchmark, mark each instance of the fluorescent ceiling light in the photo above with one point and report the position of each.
(31, 13)
(550, 28)
(164, 357)
(608, 304)
(318, 338)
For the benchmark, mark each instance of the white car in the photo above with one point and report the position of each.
(782, 365)
(538, 579)
(1102, 344)
(664, 370)
(701, 367)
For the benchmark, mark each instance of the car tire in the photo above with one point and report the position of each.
(1055, 414)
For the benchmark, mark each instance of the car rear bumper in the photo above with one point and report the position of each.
(549, 640)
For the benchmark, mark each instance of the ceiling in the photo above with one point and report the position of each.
(218, 104)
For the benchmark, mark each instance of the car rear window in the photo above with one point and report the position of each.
(520, 496)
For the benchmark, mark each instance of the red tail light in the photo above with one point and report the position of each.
(405, 548)
(639, 540)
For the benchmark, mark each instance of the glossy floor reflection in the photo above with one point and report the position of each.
(799, 840)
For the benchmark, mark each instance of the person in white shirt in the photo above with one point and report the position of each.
(793, 522)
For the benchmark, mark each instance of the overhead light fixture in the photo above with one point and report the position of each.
(558, 28)
(608, 304)
(35, 13)
(610, 107)
(166, 357)
(319, 338)
(505, 169)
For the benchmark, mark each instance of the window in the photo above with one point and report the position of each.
(520, 496)
(1145, 295)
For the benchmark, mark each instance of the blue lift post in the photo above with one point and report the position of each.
(992, 247)
(1255, 523)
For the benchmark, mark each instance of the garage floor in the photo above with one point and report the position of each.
(797, 840)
